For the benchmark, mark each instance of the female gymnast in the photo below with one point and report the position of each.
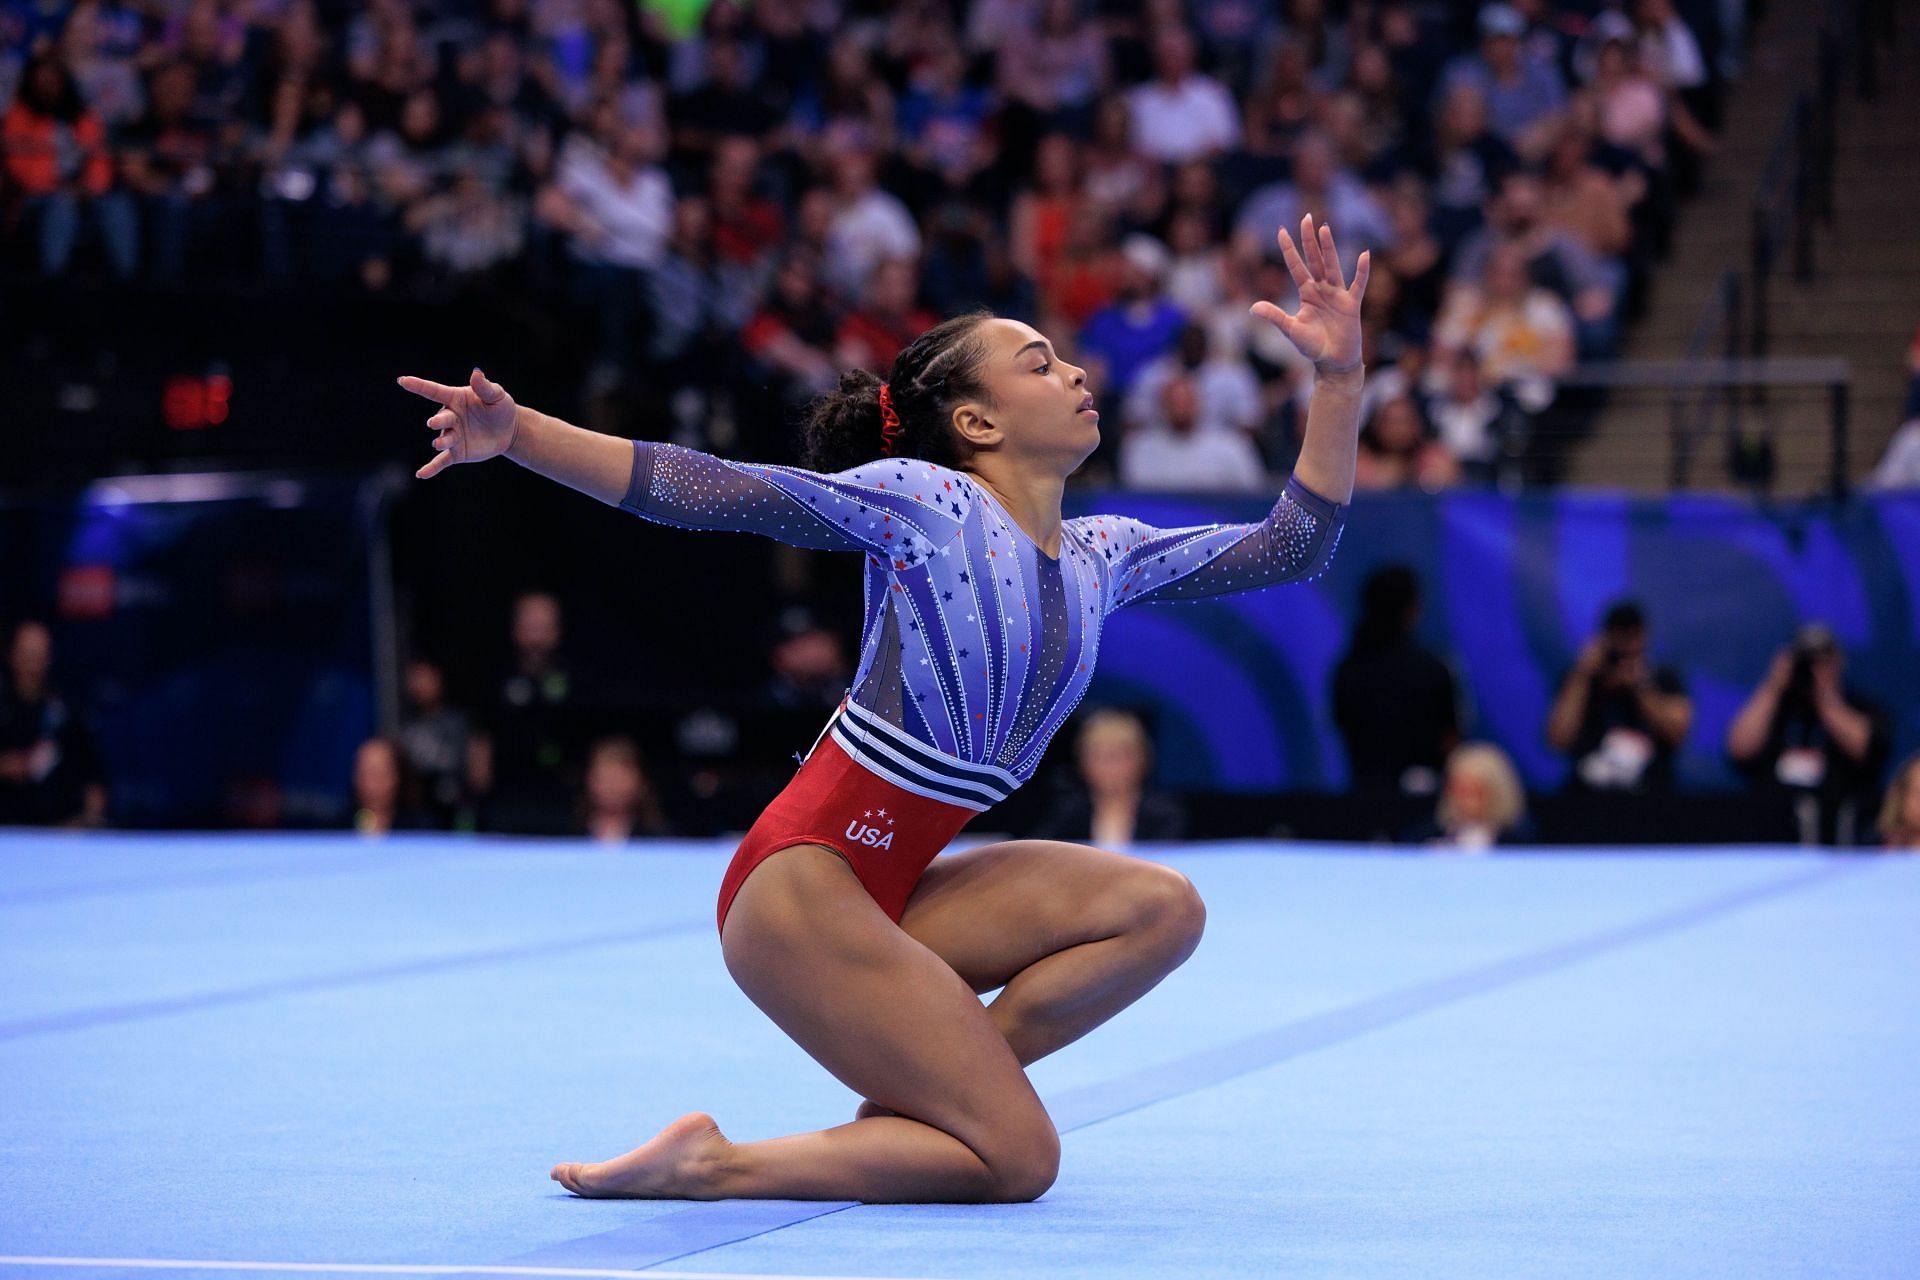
(983, 618)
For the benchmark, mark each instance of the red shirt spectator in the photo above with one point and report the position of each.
(50, 140)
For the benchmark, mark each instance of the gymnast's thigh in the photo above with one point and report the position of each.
(890, 1019)
(992, 911)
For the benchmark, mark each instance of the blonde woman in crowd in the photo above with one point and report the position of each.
(1481, 802)
(1900, 814)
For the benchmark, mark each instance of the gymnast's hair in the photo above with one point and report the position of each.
(942, 368)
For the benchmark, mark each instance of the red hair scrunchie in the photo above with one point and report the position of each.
(889, 421)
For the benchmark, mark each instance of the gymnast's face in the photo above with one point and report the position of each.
(1042, 411)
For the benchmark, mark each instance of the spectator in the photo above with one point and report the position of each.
(850, 109)
(1482, 803)
(871, 336)
(687, 296)
(809, 661)
(1415, 255)
(1110, 801)
(1228, 393)
(1196, 278)
(1618, 717)
(1043, 214)
(1476, 424)
(468, 230)
(1181, 114)
(529, 747)
(1899, 466)
(1058, 71)
(57, 158)
(100, 46)
(1803, 733)
(1284, 105)
(1138, 326)
(1900, 812)
(1524, 95)
(868, 226)
(50, 771)
(1635, 110)
(942, 119)
(1176, 452)
(384, 790)
(792, 339)
(748, 228)
(1581, 200)
(1394, 701)
(730, 102)
(1522, 334)
(435, 741)
(1589, 284)
(1397, 451)
(1318, 186)
(1116, 172)
(1464, 163)
(618, 803)
(614, 203)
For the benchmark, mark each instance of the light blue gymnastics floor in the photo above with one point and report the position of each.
(268, 1056)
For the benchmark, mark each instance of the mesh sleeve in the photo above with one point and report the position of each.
(901, 508)
(1294, 543)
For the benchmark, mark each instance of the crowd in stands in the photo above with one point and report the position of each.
(797, 186)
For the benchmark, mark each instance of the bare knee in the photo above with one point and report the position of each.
(1024, 1165)
(1168, 906)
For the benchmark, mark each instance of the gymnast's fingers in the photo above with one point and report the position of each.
(435, 467)
(431, 390)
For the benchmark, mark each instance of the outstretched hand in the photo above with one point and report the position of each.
(475, 422)
(1326, 328)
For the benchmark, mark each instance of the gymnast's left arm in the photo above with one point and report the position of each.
(1299, 535)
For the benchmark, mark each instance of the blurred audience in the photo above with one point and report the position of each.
(1804, 733)
(50, 770)
(788, 188)
(618, 802)
(1617, 716)
(1110, 800)
(1394, 701)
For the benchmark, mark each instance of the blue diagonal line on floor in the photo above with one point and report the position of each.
(133, 1011)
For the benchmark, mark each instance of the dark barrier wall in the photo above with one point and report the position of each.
(218, 628)
(1239, 686)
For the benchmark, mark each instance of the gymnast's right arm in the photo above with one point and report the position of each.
(887, 506)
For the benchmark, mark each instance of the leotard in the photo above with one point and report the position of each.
(976, 645)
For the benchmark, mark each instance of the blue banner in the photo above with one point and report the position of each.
(1238, 686)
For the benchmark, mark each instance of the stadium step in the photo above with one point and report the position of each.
(1862, 304)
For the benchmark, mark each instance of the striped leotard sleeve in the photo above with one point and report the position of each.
(900, 507)
(1294, 543)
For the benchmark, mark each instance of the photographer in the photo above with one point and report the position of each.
(1620, 719)
(1803, 733)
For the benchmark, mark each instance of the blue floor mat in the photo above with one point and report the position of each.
(320, 1051)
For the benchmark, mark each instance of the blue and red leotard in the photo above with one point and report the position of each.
(976, 645)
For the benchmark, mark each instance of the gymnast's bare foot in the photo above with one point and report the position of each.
(684, 1162)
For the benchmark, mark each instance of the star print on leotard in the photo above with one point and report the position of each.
(965, 676)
